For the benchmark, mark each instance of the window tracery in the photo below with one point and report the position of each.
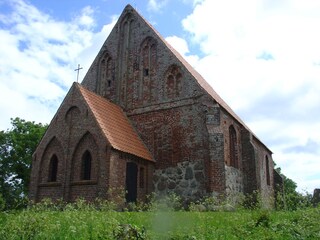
(148, 56)
(106, 74)
(173, 82)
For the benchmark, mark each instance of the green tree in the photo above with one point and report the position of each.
(290, 198)
(16, 148)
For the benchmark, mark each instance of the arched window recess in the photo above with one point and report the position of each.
(86, 162)
(267, 171)
(233, 148)
(53, 169)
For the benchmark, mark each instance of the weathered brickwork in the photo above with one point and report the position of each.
(146, 71)
(200, 146)
(264, 164)
(73, 132)
(118, 167)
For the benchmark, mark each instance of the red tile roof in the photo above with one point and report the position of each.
(115, 125)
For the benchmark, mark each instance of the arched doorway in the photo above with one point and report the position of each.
(131, 182)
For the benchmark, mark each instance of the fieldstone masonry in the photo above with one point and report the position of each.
(234, 181)
(186, 180)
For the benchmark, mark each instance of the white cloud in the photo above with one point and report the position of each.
(179, 44)
(85, 19)
(88, 54)
(38, 57)
(156, 5)
(263, 58)
(192, 2)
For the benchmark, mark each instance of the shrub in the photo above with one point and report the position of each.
(129, 231)
(293, 201)
(263, 219)
(252, 201)
(168, 202)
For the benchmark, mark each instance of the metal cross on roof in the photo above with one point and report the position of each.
(78, 69)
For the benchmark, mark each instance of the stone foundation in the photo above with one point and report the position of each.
(186, 180)
(234, 183)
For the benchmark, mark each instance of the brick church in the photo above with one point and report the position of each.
(143, 120)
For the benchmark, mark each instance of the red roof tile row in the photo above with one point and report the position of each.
(115, 125)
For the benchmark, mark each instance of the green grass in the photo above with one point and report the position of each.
(95, 224)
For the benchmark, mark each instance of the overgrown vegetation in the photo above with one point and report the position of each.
(81, 220)
(289, 198)
(168, 217)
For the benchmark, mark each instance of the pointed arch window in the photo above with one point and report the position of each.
(106, 73)
(267, 171)
(173, 82)
(53, 169)
(148, 63)
(86, 166)
(233, 147)
(148, 56)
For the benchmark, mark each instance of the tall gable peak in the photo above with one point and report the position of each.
(133, 66)
(128, 7)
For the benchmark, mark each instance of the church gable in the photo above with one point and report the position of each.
(81, 144)
(52, 159)
(143, 67)
(83, 111)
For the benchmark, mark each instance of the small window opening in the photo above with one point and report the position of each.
(109, 83)
(146, 72)
(53, 169)
(86, 166)
(233, 147)
(141, 182)
(267, 171)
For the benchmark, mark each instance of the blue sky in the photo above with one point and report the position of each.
(261, 56)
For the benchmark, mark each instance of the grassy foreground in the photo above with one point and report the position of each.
(99, 224)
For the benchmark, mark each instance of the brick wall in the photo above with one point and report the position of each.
(145, 72)
(71, 133)
(118, 165)
(265, 181)
(248, 162)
